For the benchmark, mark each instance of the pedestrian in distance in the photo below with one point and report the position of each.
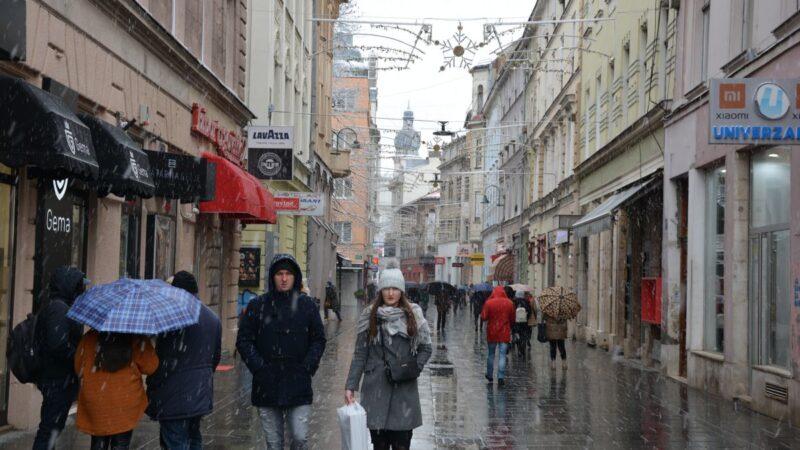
(112, 398)
(391, 332)
(281, 340)
(181, 391)
(332, 300)
(478, 300)
(58, 338)
(442, 300)
(556, 331)
(521, 330)
(499, 314)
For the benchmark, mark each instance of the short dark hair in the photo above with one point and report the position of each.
(185, 281)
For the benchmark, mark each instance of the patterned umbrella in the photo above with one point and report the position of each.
(482, 287)
(136, 307)
(559, 303)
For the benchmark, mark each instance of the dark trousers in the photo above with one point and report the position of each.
(181, 434)
(57, 397)
(391, 439)
(441, 318)
(120, 441)
(561, 349)
(336, 311)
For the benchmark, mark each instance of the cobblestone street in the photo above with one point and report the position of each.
(596, 403)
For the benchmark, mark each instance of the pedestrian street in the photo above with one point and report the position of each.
(598, 402)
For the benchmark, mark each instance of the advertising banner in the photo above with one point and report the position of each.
(269, 152)
(299, 203)
(249, 266)
(754, 111)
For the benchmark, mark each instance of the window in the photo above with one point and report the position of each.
(161, 237)
(478, 204)
(770, 285)
(344, 100)
(478, 153)
(714, 327)
(343, 188)
(129, 240)
(479, 100)
(345, 231)
(218, 56)
(465, 198)
(193, 27)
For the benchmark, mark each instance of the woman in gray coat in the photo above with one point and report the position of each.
(391, 327)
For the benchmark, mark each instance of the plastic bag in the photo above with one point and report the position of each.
(353, 424)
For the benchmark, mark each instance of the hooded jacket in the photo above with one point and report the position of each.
(281, 340)
(58, 335)
(499, 312)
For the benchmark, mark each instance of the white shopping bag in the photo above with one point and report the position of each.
(353, 423)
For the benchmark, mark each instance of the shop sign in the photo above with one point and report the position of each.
(558, 237)
(230, 145)
(270, 153)
(439, 260)
(463, 250)
(54, 230)
(754, 111)
(458, 264)
(249, 266)
(476, 259)
(299, 203)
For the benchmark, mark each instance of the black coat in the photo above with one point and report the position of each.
(281, 339)
(58, 335)
(183, 385)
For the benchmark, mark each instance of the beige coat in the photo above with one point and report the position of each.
(555, 329)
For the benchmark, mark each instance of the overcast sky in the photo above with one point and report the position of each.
(433, 94)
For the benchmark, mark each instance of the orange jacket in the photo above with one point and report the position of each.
(112, 402)
(499, 311)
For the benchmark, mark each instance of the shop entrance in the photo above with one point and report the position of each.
(7, 222)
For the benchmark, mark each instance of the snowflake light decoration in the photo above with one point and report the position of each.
(459, 50)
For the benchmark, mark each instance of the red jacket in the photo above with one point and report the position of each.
(499, 312)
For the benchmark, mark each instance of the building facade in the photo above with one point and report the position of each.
(729, 300)
(156, 84)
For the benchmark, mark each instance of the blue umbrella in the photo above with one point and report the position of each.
(136, 307)
(482, 287)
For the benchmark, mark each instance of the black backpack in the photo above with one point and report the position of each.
(24, 352)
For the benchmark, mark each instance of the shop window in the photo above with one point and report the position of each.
(7, 211)
(714, 326)
(129, 238)
(770, 285)
(160, 256)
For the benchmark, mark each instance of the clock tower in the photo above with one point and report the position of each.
(407, 140)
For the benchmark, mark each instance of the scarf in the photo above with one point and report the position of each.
(392, 321)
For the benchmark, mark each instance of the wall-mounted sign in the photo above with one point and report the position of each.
(230, 144)
(558, 237)
(249, 266)
(439, 260)
(476, 259)
(464, 250)
(458, 264)
(269, 152)
(299, 203)
(754, 110)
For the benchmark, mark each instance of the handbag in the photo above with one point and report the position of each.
(401, 370)
(541, 336)
(353, 425)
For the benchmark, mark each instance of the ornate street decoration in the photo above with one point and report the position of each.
(459, 50)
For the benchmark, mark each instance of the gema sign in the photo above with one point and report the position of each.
(754, 111)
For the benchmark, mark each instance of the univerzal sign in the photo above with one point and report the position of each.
(754, 111)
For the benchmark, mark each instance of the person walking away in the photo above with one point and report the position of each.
(556, 332)
(389, 330)
(442, 301)
(181, 391)
(478, 300)
(281, 340)
(58, 338)
(499, 313)
(332, 300)
(112, 397)
(520, 330)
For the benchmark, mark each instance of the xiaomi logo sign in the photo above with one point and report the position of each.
(732, 95)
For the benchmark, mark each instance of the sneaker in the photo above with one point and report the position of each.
(501, 382)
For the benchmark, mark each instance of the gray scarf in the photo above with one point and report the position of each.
(392, 320)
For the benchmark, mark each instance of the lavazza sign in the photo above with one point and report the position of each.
(754, 111)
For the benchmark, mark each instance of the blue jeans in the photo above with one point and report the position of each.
(273, 419)
(501, 367)
(181, 434)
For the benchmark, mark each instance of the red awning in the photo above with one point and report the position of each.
(239, 195)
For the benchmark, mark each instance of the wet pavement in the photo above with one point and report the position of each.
(598, 402)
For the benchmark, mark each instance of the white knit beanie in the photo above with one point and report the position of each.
(391, 276)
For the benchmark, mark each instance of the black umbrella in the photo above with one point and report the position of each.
(440, 287)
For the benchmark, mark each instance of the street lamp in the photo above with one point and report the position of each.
(346, 135)
(501, 197)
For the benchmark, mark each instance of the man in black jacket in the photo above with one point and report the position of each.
(281, 339)
(58, 337)
(181, 391)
